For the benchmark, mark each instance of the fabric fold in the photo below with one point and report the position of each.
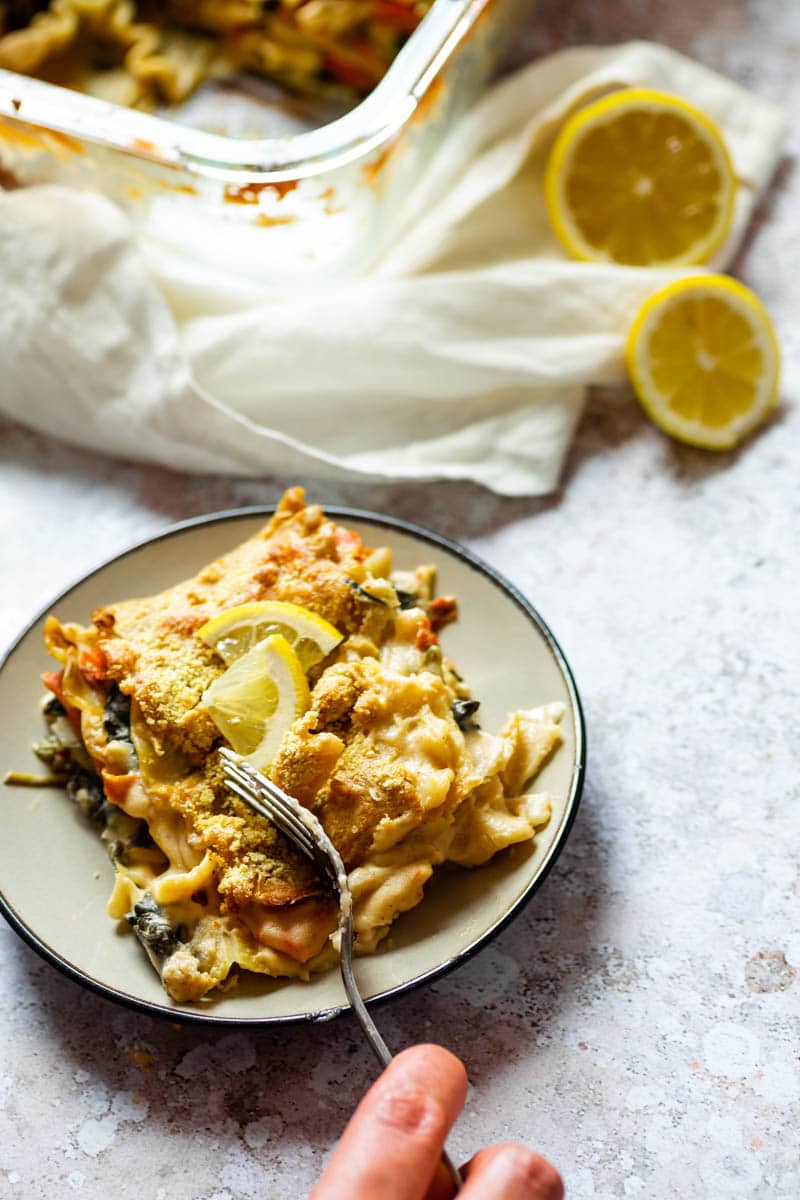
(464, 353)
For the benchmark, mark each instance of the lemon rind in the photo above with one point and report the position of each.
(314, 627)
(567, 140)
(695, 433)
(284, 670)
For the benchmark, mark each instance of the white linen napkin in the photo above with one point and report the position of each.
(464, 354)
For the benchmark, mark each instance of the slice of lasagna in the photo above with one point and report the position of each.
(387, 755)
(146, 54)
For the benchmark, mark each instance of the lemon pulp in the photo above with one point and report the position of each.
(640, 178)
(704, 360)
(237, 630)
(254, 703)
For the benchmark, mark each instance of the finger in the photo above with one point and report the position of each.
(511, 1172)
(441, 1186)
(392, 1145)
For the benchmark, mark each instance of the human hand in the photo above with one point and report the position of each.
(392, 1146)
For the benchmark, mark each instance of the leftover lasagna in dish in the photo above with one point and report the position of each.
(152, 52)
(386, 752)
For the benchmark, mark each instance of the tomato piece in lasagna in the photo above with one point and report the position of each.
(387, 754)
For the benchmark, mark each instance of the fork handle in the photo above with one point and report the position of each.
(307, 834)
(382, 1051)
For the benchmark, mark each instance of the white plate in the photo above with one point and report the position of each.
(55, 877)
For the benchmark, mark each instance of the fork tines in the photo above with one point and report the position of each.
(271, 802)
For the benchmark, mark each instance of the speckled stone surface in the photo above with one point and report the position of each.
(639, 1022)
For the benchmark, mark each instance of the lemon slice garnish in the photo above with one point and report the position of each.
(236, 631)
(642, 178)
(257, 699)
(704, 360)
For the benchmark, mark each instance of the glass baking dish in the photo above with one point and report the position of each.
(308, 195)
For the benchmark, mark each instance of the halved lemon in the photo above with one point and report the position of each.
(236, 631)
(257, 699)
(704, 360)
(640, 178)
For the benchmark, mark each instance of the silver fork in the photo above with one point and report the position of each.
(303, 829)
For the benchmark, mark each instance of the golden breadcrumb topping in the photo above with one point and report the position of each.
(386, 754)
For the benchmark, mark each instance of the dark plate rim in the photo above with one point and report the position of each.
(476, 563)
